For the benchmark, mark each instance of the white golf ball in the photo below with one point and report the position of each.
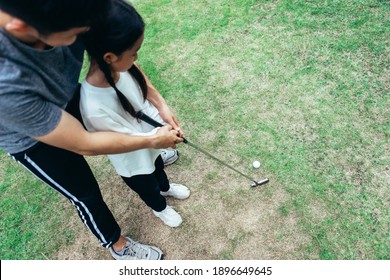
(256, 164)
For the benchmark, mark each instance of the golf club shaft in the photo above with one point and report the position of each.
(217, 159)
(155, 123)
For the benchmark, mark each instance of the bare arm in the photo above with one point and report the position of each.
(71, 135)
(159, 102)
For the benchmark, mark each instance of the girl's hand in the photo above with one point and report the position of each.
(168, 116)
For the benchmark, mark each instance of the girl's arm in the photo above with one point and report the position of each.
(159, 102)
(71, 135)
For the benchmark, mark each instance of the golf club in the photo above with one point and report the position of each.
(155, 123)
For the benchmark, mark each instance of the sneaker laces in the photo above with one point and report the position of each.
(135, 249)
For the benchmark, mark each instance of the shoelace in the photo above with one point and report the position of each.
(132, 248)
(164, 155)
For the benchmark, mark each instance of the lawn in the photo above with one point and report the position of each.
(301, 86)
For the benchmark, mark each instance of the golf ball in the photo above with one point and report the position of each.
(256, 164)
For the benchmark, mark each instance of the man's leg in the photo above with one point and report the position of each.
(69, 174)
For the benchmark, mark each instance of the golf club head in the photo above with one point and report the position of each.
(260, 182)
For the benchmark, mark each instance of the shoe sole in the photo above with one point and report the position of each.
(171, 226)
(175, 197)
(160, 259)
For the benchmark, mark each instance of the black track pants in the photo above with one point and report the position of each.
(69, 174)
(148, 186)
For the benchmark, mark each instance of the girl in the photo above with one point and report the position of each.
(114, 90)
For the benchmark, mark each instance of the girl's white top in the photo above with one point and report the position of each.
(101, 110)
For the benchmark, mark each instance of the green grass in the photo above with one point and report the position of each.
(34, 219)
(303, 86)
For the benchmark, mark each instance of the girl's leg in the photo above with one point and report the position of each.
(147, 187)
(176, 190)
(69, 174)
(160, 175)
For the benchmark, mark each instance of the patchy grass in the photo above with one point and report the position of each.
(301, 86)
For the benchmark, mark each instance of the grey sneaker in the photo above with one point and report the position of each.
(134, 250)
(169, 156)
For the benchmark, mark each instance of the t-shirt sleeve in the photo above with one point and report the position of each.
(22, 109)
(27, 113)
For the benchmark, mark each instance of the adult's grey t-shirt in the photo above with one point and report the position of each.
(34, 86)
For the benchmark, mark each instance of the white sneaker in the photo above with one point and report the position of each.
(169, 216)
(169, 156)
(178, 191)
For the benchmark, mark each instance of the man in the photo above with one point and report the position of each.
(40, 62)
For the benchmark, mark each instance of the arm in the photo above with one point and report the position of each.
(70, 135)
(159, 102)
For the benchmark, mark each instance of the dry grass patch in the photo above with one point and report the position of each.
(223, 218)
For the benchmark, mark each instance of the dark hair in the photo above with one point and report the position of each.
(122, 27)
(48, 16)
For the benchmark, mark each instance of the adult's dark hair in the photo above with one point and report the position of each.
(48, 16)
(122, 27)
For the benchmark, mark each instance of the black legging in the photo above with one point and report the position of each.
(69, 174)
(148, 186)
